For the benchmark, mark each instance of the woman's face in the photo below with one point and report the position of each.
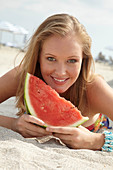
(60, 61)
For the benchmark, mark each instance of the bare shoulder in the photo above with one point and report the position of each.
(100, 96)
(98, 85)
(97, 81)
(9, 84)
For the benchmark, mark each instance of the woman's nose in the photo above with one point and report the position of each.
(60, 69)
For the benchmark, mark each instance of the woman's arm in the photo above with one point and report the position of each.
(100, 97)
(78, 138)
(7, 122)
(25, 125)
(8, 87)
(8, 84)
(100, 100)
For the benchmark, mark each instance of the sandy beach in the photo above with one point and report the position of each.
(18, 153)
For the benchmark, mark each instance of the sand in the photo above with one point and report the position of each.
(18, 153)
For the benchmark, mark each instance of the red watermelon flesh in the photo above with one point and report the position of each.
(45, 103)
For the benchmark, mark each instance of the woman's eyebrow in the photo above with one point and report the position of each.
(49, 54)
(74, 56)
(71, 56)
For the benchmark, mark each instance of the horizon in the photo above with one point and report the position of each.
(94, 15)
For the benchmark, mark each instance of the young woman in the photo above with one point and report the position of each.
(60, 54)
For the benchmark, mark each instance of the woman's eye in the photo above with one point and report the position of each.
(72, 61)
(51, 59)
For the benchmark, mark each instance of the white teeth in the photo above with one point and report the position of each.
(59, 80)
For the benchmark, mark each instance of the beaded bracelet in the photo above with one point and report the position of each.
(108, 144)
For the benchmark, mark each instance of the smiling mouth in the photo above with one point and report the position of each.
(59, 80)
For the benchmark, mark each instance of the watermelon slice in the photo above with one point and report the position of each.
(45, 103)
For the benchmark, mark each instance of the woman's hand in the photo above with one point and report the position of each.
(25, 125)
(78, 138)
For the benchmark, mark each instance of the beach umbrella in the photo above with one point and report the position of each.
(20, 30)
(109, 48)
(13, 29)
(6, 26)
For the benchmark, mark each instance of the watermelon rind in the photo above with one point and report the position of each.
(30, 110)
(78, 123)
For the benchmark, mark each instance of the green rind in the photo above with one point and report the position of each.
(25, 101)
(83, 120)
(25, 92)
(73, 125)
(27, 108)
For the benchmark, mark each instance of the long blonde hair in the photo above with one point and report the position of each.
(59, 24)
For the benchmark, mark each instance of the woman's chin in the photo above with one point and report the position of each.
(60, 91)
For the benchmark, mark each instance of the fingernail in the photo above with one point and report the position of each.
(42, 122)
(47, 129)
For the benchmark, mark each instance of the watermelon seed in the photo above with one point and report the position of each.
(72, 107)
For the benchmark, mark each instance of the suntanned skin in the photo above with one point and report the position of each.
(100, 97)
(60, 65)
(8, 85)
(23, 125)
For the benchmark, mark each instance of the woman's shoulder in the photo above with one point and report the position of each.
(9, 83)
(100, 95)
(96, 80)
(98, 87)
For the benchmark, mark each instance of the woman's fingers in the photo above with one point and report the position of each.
(62, 136)
(32, 119)
(36, 129)
(76, 138)
(27, 126)
(28, 133)
(62, 130)
(31, 130)
(73, 137)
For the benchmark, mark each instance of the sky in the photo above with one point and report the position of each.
(95, 15)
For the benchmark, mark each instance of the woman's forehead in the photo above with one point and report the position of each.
(63, 46)
(69, 39)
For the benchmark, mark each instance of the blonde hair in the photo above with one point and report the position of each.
(59, 24)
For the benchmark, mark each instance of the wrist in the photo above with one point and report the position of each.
(13, 127)
(108, 144)
(98, 141)
(7, 122)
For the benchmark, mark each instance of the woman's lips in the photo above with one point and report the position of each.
(59, 80)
